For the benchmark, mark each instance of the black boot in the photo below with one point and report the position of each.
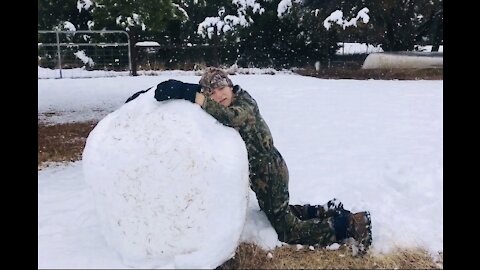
(360, 228)
(332, 208)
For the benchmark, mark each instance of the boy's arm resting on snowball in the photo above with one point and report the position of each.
(173, 89)
(242, 112)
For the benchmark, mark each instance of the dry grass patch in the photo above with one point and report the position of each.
(377, 74)
(249, 256)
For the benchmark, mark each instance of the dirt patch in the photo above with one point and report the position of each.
(62, 142)
(376, 74)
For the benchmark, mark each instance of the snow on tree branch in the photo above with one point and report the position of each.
(66, 25)
(207, 27)
(185, 14)
(229, 22)
(128, 22)
(337, 17)
(284, 7)
(84, 4)
(84, 58)
(90, 24)
(244, 4)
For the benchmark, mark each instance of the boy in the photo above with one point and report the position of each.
(295, 224)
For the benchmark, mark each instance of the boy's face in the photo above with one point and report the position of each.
(222, 95)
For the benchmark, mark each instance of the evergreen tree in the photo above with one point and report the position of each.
(135, 17)
(53, 13)
(250, 33)
(397, 24)
(297, 37)
(185, 41)
(430, 29)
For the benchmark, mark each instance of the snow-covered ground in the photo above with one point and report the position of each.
(375, 145)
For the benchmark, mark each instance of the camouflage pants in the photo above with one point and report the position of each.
(294, 224)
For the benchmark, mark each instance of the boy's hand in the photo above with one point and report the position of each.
(199, 99)
(173, 89)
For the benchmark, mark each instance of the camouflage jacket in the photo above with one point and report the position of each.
(243, 115)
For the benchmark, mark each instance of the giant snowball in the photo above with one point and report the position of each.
(170, 184)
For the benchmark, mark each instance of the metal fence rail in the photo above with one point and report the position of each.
(68, 53)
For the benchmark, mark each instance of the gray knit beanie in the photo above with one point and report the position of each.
(213, 78)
